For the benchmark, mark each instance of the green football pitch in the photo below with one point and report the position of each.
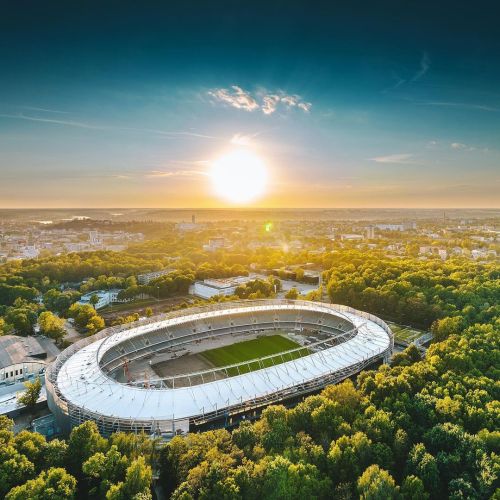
(252, 349)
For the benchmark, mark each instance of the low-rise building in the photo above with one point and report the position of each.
(20, 357)
(405, 226)
(144, 279)
(212, 287)
(215, 243)
(105, 297)
(351, 237)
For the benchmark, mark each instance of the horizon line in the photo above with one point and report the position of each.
(250, 208)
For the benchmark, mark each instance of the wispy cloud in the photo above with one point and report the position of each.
(235, 97)
(91, 126)
(175, 173)
(266, 102)
(243, 139)
(394, 158)
(69, 123)
(425, 64)
(270, 103)
(462, 105)
(44, 110)
(460, 146)
(167, 133)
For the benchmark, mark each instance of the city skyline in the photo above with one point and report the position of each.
(104, 107)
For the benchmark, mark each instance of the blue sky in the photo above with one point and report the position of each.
(359, 105)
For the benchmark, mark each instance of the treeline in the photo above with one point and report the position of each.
(421, 428)
(415, 292)
(85, 465)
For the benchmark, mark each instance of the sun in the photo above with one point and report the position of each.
(239, 176)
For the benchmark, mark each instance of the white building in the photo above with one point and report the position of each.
(105, 297)
(351, 237)
(20, 357)
(405, 226)
(442, 252)
(212, 287)
(30, 252)
(479, 253)
(215, 243)
(188, 226)
(95, 239)
(370, 232)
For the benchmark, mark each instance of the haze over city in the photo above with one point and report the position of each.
(281, 104)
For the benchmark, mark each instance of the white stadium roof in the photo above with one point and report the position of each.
(81, 382)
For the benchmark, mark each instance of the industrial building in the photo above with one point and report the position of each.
(212, 287)
(20, 357)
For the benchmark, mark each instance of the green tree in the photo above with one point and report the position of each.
(32, 445)
(105, 469)
(55, 453)
(137, 482)
(59, 302)
(423, 465)
(292, 294)
(283, 479)
(51, 325)
(5, 328)
(53, 484)
(349, 456)
(84, 441)
(377, 484)
(86, 318)
(95, 324)
(22, 317)
(413, 489)
(82, 314)
(299, 274)
(94, 299)
(30, 396)
(15, 468)
(443, 328)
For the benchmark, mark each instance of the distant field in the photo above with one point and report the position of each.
(252, 349)
(405, 333)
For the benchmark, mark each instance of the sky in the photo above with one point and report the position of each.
(348, 104)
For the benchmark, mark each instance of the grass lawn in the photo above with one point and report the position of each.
(252, 349)
(405, 333)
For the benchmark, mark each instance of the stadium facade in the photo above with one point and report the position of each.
(81, 383)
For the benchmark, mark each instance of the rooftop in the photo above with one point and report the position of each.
(15, 349)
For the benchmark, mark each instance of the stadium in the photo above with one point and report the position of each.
(210, 366)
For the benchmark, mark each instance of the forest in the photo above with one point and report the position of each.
(415, 429)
